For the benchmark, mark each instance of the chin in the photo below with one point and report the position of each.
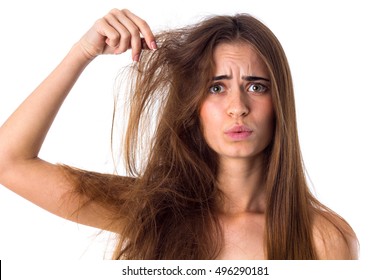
(241, 154)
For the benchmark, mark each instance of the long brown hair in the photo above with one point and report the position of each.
(168, 201)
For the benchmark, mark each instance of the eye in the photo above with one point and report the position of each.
(217, 88)
(257, 88)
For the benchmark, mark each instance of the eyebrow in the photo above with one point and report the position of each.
(246, 78)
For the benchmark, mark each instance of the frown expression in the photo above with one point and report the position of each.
(237, 116)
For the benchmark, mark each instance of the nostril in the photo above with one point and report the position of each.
(238, 111)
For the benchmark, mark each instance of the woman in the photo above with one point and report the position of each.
(219, 177)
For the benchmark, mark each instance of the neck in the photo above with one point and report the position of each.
(243, 183)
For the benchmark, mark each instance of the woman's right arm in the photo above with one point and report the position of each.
(23, 134)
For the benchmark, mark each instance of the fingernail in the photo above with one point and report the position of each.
(154, 45)
(136, 58)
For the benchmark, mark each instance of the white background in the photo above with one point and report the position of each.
(339, 57)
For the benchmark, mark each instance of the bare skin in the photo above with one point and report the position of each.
(238, 122)
(22, 135)
(243, 103)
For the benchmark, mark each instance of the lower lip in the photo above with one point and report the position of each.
(239, 135)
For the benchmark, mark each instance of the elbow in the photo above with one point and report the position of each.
(6, 158)
(5, 164)
(8, 165)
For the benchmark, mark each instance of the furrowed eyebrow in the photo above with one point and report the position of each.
(246, 78)
(254, 78)
(222, 77)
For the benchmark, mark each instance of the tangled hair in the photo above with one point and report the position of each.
(168, 202)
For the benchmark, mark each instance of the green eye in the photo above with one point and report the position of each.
(216, 89)
(257, 88)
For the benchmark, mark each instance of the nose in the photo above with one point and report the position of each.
(238, 104)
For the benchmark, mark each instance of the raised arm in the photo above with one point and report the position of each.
(23, 134)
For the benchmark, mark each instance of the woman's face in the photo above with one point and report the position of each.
(237, 116)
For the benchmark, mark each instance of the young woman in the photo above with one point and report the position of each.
(219, 177)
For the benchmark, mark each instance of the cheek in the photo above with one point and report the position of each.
(269, 116)
(266, 116)
(269, 112)
(208, 115)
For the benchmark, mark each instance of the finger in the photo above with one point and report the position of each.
(108, 32)
(144, 29)
(132, 28)
(122, 41)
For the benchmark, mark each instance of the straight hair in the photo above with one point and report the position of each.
(169, 199)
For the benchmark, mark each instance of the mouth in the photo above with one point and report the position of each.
(239, 132)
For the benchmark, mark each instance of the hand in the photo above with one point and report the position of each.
(117, 32)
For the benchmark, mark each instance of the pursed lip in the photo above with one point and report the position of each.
(239, 132)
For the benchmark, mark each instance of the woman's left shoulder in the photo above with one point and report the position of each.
(334, 238)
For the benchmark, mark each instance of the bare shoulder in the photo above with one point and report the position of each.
(334, 239)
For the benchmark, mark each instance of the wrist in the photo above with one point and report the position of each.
(80, 54)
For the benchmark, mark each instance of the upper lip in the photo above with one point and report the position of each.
(238, 129)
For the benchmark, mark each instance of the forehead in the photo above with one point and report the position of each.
(238, 56)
